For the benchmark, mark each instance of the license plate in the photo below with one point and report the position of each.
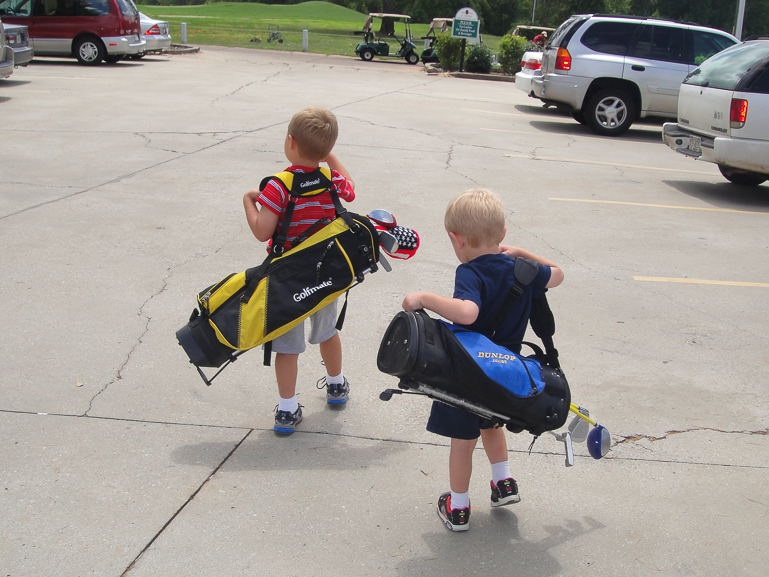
(695, 144)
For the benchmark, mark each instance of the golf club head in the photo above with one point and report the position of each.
(579, 429)
(598, 442)
(383, 217)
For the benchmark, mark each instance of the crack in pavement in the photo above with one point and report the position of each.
(635, 438)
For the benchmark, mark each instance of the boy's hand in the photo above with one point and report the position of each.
(412, 302)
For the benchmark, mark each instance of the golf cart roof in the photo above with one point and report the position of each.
(441, 24)
(539, 28)
(382, 15)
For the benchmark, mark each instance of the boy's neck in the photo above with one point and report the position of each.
(468, 253)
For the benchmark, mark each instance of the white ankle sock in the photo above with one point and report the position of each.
(500, 471)
(337, 380)
(289, 405)
(459, 500)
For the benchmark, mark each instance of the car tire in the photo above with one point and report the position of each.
(579, 116)
(89, 51)
(367, 54)
(412, 57)
(610, 112)
(744, 178)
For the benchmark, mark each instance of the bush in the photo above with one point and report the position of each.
(478, 59)
(511, 49)
(449, 50)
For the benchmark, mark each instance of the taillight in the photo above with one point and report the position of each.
(532, 64)
(738, 112)
(153, 30)
(563, 60)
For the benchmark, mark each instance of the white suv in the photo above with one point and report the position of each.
(610, 70)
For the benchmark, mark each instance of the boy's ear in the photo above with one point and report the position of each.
(291, 142)
(457, 239)
(504, 233)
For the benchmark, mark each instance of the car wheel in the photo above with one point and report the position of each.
(579, 116)
(742, 177)
(367, 54)
(412, 58)
(89, 51)
(610, 112)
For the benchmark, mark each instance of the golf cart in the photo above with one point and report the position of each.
(437, 26)
(373, 46)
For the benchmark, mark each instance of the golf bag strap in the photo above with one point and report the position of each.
(267, 353)
(525, 272)
(543, 324)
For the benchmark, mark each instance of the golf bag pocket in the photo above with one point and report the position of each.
(466, 365)
(253, 307)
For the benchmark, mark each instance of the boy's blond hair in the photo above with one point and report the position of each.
(478, 215)
(315, 130)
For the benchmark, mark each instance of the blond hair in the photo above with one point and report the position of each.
(478, 215)
(315, 130)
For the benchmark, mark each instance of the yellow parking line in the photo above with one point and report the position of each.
(659, 205)
(580, 161)
(700, 281)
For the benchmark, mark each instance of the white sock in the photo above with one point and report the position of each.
(500, 471)
(288, 405)
(337, 380)
(459, 500)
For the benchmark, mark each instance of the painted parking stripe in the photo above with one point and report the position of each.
(659, 205)
(700, 281)
(598, 162)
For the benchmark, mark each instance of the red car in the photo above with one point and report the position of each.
(89, 30)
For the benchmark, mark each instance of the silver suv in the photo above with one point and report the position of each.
(610, 70)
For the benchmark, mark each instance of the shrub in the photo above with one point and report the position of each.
(449, 50)
(478, 59)
(511, 49)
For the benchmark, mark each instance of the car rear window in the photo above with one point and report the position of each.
(609, 37)
(127, 8)
(565, 31)
(706, 44)
(727, 68)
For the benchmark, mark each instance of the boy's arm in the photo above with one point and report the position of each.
(458, 311)
(262, 223)
(334, 164)
(556, 274)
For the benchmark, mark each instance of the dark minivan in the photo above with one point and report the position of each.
(89, 30)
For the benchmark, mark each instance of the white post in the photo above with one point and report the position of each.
(533, 10)
(305, 40)
(184, 33)
(740, 19)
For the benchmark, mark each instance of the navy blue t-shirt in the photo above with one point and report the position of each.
(486, 280)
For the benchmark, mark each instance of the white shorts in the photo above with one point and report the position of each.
(322, 328)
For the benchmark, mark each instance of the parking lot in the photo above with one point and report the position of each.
(121, 198)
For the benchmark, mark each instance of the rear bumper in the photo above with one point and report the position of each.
(156, 42)
(6, 67)
(133, 44)
(752, 155)
(562, 88)
(23, 56)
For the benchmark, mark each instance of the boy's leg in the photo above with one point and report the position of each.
(287, 349)
(323, 332)
(331, 353)
(286, 370)
(504, 489)
(454, 507)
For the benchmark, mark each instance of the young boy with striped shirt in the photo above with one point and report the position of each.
(311, 136)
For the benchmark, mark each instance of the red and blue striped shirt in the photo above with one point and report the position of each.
(307, 211)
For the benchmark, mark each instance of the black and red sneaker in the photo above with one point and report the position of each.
(505, 493)
(454, 519)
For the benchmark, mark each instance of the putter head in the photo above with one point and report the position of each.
(598, 442)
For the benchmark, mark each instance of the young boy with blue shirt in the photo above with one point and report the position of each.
(475, 222)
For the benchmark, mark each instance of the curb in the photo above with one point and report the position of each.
(182, 49)
(432, 68)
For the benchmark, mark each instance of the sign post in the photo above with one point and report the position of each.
(465, 26)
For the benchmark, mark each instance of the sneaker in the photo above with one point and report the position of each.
(456, 519)
(506, 493)
(285, 422)
(335, 394)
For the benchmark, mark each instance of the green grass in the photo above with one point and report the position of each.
(331, 28)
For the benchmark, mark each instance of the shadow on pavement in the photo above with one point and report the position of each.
(494, 546)
(725, 194)
(576, 129)
(12, 83)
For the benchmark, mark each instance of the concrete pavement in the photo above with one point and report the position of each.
(120, 199)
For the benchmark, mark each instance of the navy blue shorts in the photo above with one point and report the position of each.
(455, 423)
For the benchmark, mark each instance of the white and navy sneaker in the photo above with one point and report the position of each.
(335, 394)
(285, 422)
